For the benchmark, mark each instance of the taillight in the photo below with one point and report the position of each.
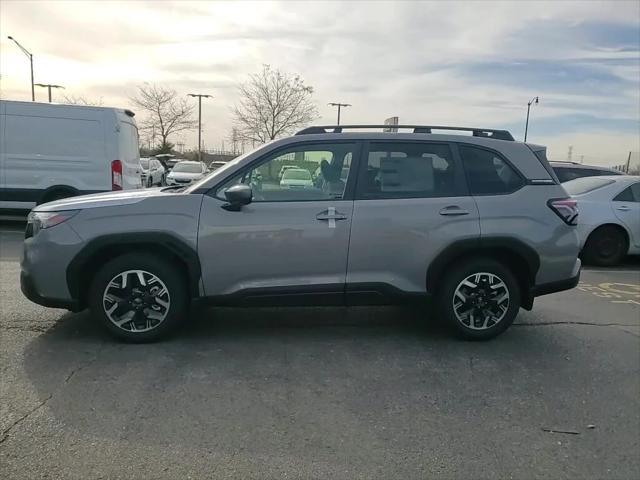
(566, 209)
(116, 175)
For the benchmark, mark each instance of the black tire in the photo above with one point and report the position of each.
(605, 247)
(486, 298)
(167, 273)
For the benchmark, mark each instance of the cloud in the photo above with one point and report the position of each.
(470, 63)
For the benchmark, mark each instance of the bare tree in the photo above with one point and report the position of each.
(166, 114)
(272, 104)
(237, 142)
(80, 100)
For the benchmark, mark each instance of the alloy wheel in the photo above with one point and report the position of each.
(481, 301)
(136, 301)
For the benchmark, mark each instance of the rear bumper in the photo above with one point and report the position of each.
(28, 289)
(559, 285)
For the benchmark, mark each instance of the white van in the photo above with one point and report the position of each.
(50, 151)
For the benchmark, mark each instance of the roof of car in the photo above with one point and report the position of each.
(568, 164)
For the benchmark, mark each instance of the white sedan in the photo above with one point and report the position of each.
(296, 178)
(609, 218)
(186, 172)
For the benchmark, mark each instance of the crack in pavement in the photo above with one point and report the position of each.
(535, 324)
(5, 433)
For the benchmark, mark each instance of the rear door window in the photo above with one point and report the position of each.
(409, 170)
(488, 173)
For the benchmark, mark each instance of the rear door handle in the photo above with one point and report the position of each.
(623, 208)
(453, 210)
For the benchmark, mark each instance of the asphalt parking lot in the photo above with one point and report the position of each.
(325, 392)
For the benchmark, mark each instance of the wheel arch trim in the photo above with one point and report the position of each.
(163, 240)
(461, 248)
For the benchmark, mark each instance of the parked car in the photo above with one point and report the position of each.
(284, 168)
(186, 172)
(152, 172)
(296, 178)
(609, 225)
(167, 160)
(50, 151)
(216, 164)
(478, 223)
(570, 170)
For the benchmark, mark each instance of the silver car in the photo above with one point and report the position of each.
(479, 223)
(609, 225)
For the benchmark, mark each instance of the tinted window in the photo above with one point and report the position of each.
(585, 184)
(629, 194)
(487, 172)
(322, 167)
(565, 174)
(409, 170)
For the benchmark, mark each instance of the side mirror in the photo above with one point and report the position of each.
(237, 196)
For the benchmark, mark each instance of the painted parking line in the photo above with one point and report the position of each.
(614, 292)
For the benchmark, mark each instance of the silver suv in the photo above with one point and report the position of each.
(478, 222)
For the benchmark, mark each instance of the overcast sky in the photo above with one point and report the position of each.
(456, 63)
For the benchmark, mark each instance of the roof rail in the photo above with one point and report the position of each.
(477, 132)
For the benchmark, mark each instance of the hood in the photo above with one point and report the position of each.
(184, 175)
(106, 199)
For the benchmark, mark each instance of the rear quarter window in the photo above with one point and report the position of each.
(488, 173)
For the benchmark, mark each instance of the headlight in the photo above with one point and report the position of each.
(42, 220)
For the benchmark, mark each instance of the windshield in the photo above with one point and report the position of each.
(297, 175)
(583, 185)
(145, 163)
(222, 169)
(188, 168)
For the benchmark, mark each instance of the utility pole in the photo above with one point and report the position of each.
(49, 86)
(30, 55)
(339, 105)
(570, 153)
(526, 126)
(628, 164)
(200, 96)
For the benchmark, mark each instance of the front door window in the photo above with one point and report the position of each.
(302, 173)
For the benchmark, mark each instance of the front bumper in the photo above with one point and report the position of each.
(28, 289)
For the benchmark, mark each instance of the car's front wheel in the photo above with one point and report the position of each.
(139, 297)
(479, 298)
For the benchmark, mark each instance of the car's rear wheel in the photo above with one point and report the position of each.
(605, 247)
(479, 298)
(138, 297)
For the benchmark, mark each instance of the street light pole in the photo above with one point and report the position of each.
(526, 126)
(30, 55)
(339, 105)
(49, 86)
(199, 96)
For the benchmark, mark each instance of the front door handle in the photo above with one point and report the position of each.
(453, 210)
(623, 208)
(331, 216)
